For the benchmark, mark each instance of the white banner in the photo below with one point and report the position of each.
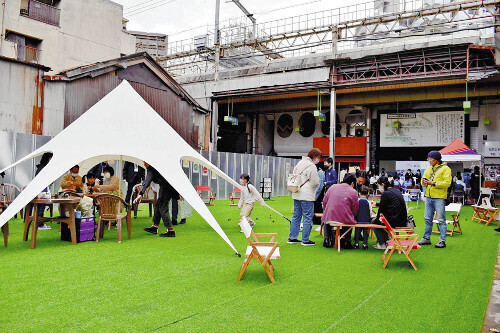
(403, 166)
(491, 149)
(423, 129)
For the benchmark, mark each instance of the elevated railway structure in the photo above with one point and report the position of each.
(358, 62)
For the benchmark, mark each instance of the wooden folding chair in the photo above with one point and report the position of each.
(108, 211)
(454, 208)
(263, 252)
(233, 198)
(401, 243)
(210, 195)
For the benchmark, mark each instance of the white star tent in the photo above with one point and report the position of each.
(117, 123)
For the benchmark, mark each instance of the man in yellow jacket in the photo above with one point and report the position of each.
(436, 179)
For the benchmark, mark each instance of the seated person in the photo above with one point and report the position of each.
(408, 183)
(363, 217)
(72, 181)
(98, 171)
(392, 205)
(90, 185)
(341, 205)
(111, 183)
(396, 183)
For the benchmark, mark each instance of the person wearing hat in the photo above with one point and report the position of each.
(436, 179)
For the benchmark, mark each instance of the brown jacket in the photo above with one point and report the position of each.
(113, 186)
(70, 183)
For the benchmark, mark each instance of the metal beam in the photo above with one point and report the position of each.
(244, 10)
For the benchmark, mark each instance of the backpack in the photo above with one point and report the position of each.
(294, 182)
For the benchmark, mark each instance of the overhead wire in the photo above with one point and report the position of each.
(356, 39)
(147, 8)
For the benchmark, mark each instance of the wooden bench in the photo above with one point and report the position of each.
(339, 225)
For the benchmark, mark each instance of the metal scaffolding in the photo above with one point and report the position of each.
(432, 63)
(368, 24)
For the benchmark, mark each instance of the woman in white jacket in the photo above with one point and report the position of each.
(303, 200)
(249, 195)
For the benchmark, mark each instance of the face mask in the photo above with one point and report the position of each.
(74, 174)
(242, 182)
(316, 161)
(107, 175)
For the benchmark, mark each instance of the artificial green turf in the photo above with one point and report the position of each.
(188, 283)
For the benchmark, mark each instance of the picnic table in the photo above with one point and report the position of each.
(31, 217)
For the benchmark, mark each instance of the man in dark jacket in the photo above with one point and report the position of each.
(165, 194)
(392, 205)
(133, 174)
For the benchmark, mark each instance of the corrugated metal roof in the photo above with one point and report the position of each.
(101, 68)
(274, 80)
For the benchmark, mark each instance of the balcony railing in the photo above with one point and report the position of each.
(41, 12)
(28, 54)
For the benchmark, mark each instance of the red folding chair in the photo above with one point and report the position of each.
(401, 243)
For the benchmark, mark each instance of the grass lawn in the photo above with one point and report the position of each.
(188, 283)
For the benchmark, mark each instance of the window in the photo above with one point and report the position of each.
(28, 49)
(41, 10)
(356, 123)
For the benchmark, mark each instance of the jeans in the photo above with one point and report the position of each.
(431, 206)
(359, 231)
(302, 210)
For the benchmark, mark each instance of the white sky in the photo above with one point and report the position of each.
(174, 17)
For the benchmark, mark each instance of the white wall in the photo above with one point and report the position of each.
(89, 31)
(17, 96)
(53, 108)
(296, 144)
(492, 131)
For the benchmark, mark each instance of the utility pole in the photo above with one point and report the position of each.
(217, 41)
(333, 98)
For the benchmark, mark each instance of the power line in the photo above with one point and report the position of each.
(137, 5)
(148, 7)
(352, 39)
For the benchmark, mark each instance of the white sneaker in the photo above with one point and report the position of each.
(377, 246)
(44, 227)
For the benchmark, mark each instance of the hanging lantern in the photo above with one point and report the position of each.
(487, 120)
(466, 104)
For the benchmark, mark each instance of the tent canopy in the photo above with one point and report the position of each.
(457, 151)
(119, 123)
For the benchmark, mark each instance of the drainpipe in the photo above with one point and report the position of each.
(1, 31)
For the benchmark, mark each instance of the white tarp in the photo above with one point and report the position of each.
(461, 158)
(118, 124)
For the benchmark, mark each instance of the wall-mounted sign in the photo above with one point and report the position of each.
(491, 149)
(423, 129)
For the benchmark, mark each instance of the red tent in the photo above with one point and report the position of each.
(457, 151)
